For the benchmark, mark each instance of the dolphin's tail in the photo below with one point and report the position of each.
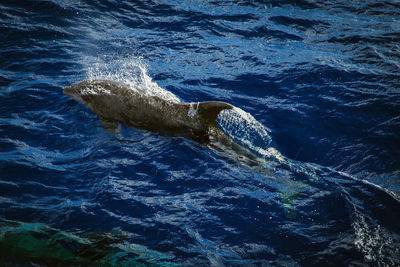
(200, 118)
(209, 110)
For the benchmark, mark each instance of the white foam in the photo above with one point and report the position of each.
(130, 71)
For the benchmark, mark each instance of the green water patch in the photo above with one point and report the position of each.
(37, 243)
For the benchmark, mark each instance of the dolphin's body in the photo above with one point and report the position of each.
(115, 102)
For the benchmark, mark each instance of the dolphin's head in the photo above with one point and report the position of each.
(75, 91)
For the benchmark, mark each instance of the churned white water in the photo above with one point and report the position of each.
(129, 70)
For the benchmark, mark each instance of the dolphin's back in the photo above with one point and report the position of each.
(117, 102)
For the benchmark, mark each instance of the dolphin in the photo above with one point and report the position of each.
(115, 102)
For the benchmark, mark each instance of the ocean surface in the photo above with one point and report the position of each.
(316, 86)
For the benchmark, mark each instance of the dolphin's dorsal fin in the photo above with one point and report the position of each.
(209, 110)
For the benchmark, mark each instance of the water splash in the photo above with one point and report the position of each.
(129, 70)
(244, 129)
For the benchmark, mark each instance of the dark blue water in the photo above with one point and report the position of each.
(323, 77)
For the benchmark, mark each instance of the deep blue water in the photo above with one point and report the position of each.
(323, 77)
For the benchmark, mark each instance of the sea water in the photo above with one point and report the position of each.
(315, 85)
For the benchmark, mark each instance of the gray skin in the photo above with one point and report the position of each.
(115, 102)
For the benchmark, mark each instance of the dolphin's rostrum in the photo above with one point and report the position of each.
(116, 102)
